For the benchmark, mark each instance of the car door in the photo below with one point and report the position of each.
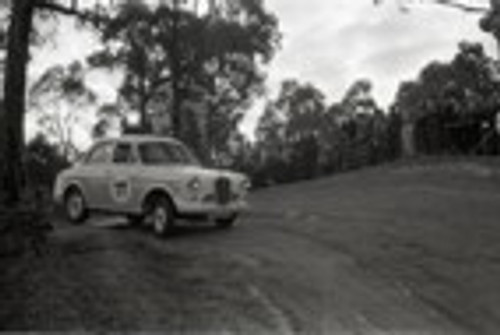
(95, 172)
(122, 178)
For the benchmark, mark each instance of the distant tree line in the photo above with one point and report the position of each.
(451, 109)
(300, 137)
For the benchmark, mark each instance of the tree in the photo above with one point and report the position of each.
(289, 132)
(358, 99)
(58, 99)
(450, 103)
(18, 39)
(299, 137)
(109, 120)
(175, 56)
(270, 149)
(43, 162)
(362, 125)
(12, 118)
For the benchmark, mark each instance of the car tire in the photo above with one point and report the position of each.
(226, 223)
(162, 216)
(75, 206)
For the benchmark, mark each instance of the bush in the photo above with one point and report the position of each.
(24, 228)
(42, 163)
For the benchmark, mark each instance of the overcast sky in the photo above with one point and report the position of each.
(332, 43)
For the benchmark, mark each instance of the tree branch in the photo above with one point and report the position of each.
(461, 6)
(85, 15)
(449, 3)
(158, 82)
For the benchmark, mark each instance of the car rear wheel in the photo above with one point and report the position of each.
(75, 206)
(227, 222)
(162, 216)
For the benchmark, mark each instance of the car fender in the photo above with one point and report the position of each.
(169, 188)
(72, 182)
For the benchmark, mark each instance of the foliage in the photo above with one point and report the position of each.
(109, 120)
(59, 99)
(23, 228)
(19, 37)
(200, 70)
(452, 102)
(43, 161)
(299, 137)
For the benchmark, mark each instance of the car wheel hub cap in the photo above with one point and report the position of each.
(74, 206)
(159, 219)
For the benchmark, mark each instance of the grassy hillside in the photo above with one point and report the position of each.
(431, 226)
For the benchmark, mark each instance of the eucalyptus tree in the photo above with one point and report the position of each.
(271, 150)
(290, 129)
(58, 100)
(20, 28)
(177, 56)
(450, 97)
(18, 34)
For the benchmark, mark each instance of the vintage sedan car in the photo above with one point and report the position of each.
(152, 180)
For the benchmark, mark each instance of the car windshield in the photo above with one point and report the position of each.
(160, 153)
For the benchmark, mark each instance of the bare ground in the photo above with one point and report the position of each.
(409, 248)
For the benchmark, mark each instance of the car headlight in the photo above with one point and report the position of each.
(194, 184)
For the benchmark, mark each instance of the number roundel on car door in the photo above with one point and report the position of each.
(120, 190)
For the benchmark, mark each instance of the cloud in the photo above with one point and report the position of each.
(334, 43)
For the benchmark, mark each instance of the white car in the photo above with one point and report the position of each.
(152, 180)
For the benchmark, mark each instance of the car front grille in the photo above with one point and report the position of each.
(223, 190)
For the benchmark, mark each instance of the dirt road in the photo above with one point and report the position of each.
(366, 253)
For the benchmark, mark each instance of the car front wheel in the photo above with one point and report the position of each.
(75, 206)
(162, 216)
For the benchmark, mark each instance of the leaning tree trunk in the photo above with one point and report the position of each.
(12, 118)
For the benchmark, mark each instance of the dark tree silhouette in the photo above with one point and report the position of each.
(175, 56)
(12, 118)
(452, 105)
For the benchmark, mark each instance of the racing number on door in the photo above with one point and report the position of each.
(121, 187)
(120, 190)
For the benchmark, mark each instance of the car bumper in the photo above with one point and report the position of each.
(211, 209)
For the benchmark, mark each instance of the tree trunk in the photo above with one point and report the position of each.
(144, 123)
(12, 118)
(408, 139)
(177, 130)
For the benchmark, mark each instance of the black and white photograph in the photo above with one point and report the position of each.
(288, 167)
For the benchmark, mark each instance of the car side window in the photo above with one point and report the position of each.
(123, 154)
(100, 154)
